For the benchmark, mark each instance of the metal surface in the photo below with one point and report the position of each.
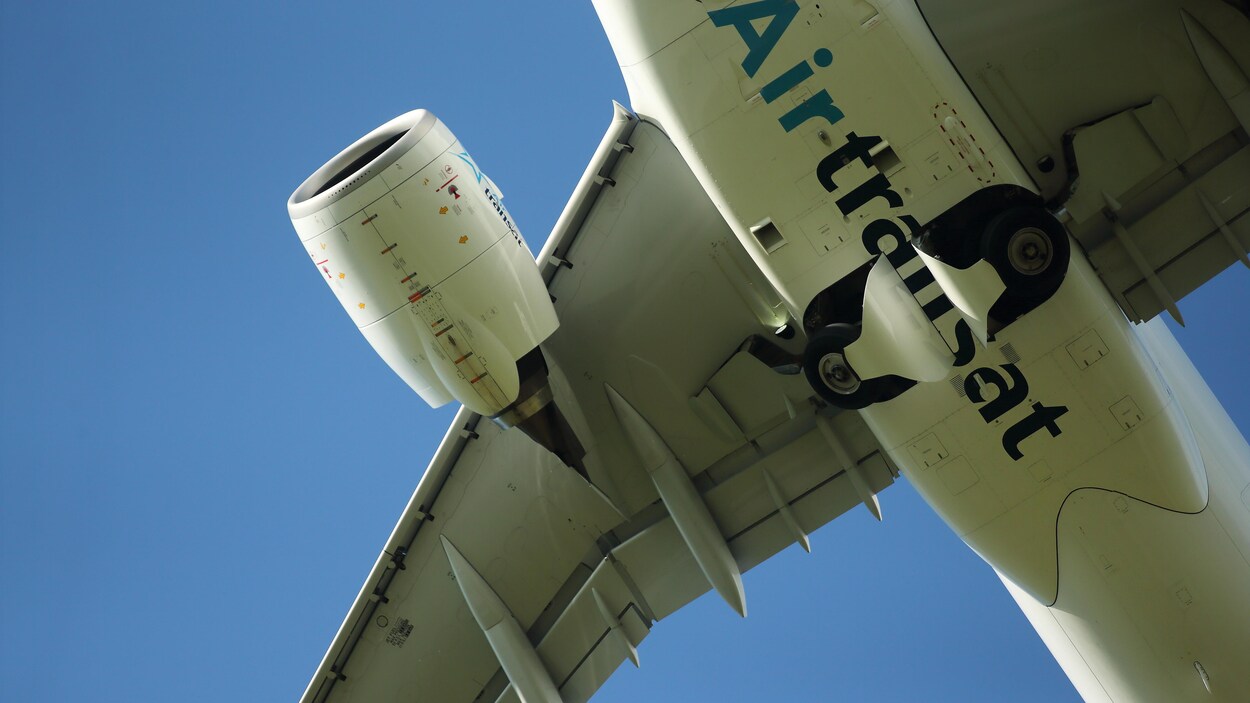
(525, 408)
(837, 374)
(1029, 251)
(542, 538)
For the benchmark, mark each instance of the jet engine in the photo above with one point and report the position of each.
(415, 243)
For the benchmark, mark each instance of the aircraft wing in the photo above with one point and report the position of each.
(1132, 116)
(655, 299)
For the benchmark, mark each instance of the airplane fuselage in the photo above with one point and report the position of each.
(1079, 454)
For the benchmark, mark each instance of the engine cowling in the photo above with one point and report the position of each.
(415, 243)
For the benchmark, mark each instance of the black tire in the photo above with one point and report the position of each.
(831, 376)
(1029, 249)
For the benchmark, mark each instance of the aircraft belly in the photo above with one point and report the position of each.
(1065, 399)
(747, 141)
(1151, 600)
(1028, 420)
(1058, 452)
(1166, 590)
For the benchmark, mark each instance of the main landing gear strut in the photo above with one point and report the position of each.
(997, 255)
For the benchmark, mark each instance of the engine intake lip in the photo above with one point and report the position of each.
(353, 166)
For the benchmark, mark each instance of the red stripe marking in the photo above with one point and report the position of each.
(449, 180)
(475, 380)
(408, 278)
(368, 219)
(443, 331)
(457, 361)
(322, 261)
(414, 297)
(388, 249)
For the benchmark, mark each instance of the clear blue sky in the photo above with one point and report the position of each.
(200, 457)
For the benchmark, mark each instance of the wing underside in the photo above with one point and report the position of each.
(655, 299)
(1132, 117)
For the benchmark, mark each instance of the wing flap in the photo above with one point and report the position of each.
(811, 484)
(583, 650)
(1164, 255)
(1131, 155)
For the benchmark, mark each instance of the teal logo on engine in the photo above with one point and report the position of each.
(477, 173)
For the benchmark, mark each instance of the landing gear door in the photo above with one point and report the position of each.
(973, 290)
(896, 337)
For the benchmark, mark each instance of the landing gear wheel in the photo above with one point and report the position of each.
(1029, 249)
(826, 368)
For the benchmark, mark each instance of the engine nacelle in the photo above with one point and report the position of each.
(415, 242)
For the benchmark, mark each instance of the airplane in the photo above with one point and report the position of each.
(792, 272)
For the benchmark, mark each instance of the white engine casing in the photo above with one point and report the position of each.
(415, 243)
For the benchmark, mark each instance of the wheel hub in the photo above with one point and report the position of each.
(837, 374)
(1029, 251)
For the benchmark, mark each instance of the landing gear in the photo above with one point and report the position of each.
(1009, 227)
(997, 255)
(831, 376)
(1029, 249)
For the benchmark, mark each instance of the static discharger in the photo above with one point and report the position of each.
(685, 505)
